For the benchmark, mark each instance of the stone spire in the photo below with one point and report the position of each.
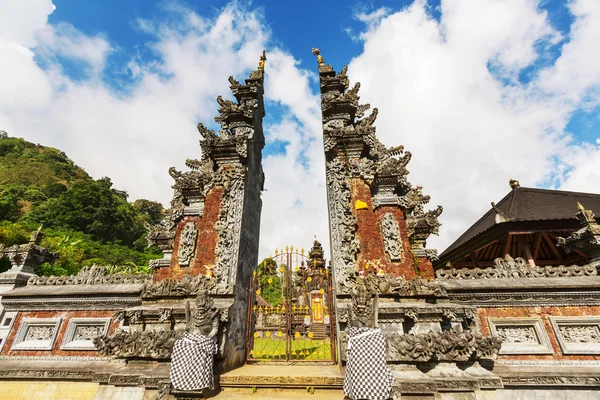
(368, 187)
(211, 193)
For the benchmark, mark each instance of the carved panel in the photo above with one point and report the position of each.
(187, 244)
(36, 334)
(391, 237)
(577, 335)
(81, 331)
(521, 335)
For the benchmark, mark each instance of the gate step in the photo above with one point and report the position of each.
(319, 331)
(284, 377)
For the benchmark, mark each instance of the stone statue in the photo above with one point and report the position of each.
(363, 312)
(204, 320)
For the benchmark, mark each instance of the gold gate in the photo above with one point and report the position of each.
(292, 315)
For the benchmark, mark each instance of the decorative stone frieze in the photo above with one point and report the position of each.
(521, 335)
(516, 268)
(94, 275)
(36, 334)
(186, 286)
(577, 335)
(439, 346)
(154, 344)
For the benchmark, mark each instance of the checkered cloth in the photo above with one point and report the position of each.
(192, 362)
(367, 376)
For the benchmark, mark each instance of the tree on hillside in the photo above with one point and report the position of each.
(92, 207)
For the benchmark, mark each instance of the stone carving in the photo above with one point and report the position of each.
(88, 332)
(165, 315)
(364, 304)
(187, 244)
(442, 346)
(188, 285)
(587, 238)
(580, 333)
(39, 332)
(94, 275)
(204, 318)
(517, 334)
(391, 237)
(516, 268)
(154, 344)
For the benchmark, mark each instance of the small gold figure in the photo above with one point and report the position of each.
(317, 53)
(263, 59)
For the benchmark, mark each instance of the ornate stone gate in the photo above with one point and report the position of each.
(291, 317)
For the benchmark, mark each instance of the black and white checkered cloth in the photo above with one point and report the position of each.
(367, 376)
(192, 362)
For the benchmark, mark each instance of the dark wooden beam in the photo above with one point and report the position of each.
(526, 250)
(552, 247)
(507, 245)
(536, 245)
(474, 259)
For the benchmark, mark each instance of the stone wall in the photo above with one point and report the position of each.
(205, 244)
(65, 317)
(371, 239)
(19, 390)
(526, 318)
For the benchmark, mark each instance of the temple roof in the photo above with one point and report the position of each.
(528, 204)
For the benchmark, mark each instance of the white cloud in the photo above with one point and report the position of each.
(469, 134)
(134, 137)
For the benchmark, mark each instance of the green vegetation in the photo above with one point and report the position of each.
(86, 221)
(302, 349)
(270, 281)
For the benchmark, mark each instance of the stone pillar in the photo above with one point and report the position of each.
(211, 233)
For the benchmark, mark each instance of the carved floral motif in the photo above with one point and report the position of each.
(154, 344)
(580, 333)
(517, 334)
(87, 332)
(442, 346)
(39, 333)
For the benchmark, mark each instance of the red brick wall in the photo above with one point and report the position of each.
(544, 313)
(66, 316)
(206, 244)
(371, 239)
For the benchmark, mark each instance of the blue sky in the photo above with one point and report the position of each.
(480, 91)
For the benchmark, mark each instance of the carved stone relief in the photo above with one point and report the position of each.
(521, 335)
(228, 228)
(36, 334)
(577, 335)
(81, 331)
(343, 226)
(187, 244)
(391, 237)
(517, 334)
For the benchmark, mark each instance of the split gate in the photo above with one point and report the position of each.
(292, 316)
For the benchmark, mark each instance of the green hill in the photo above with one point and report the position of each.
(86, 221)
